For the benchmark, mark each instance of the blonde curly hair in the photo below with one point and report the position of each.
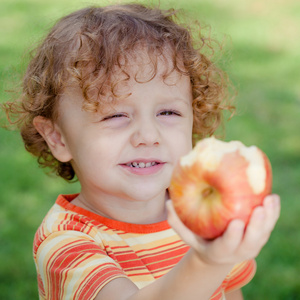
(86, 46)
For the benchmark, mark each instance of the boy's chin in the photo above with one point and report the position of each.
(147, 194)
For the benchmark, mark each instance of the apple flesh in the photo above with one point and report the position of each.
(218, 182)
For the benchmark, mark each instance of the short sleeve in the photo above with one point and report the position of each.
(240, 275)
(71, 265)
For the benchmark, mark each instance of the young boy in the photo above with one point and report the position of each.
(115, 96)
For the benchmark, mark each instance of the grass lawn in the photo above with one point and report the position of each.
(262, 59)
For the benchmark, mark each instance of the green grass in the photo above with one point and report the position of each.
(262, 59)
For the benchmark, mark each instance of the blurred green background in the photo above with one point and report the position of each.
(262, 58)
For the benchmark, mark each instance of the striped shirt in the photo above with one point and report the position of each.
(77, 252)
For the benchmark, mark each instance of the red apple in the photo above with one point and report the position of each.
(218, 182)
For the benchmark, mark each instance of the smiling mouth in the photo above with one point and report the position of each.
(142, 164)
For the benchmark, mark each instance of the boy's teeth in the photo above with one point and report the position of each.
(142, 164)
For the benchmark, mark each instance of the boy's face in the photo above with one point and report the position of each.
(129, 150)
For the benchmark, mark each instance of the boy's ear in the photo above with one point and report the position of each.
(53, 137)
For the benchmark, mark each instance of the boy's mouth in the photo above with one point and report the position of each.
(144, 166)
(136, 164)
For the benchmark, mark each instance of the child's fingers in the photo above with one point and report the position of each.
(233, 235)
(264, 217)
(172, 216)
(255, 235)
(223, 248)
(261, 224)
(272, 205)
(186, 235)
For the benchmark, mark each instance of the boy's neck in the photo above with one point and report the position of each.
(130, 211)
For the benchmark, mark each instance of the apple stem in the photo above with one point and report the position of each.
(207, 192)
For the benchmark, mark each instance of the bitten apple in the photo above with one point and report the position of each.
(218, 182)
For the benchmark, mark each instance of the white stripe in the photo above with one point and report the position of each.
(52, 217)
(149, 238)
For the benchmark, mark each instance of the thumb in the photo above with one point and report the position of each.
(186, 234)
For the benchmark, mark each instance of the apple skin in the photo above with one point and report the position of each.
(211, 190)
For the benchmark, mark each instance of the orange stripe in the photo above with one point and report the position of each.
(98, 278)
(242, 277)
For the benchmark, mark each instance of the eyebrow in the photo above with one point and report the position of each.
(178, 99)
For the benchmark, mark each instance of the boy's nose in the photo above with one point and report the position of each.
(146, 133)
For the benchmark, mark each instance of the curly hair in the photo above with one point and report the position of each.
(85, 47)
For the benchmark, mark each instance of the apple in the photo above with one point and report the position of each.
(218, 182)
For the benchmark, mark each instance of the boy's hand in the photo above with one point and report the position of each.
(237, 243)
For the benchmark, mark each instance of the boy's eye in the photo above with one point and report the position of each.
(114, 116)
(169, 113)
